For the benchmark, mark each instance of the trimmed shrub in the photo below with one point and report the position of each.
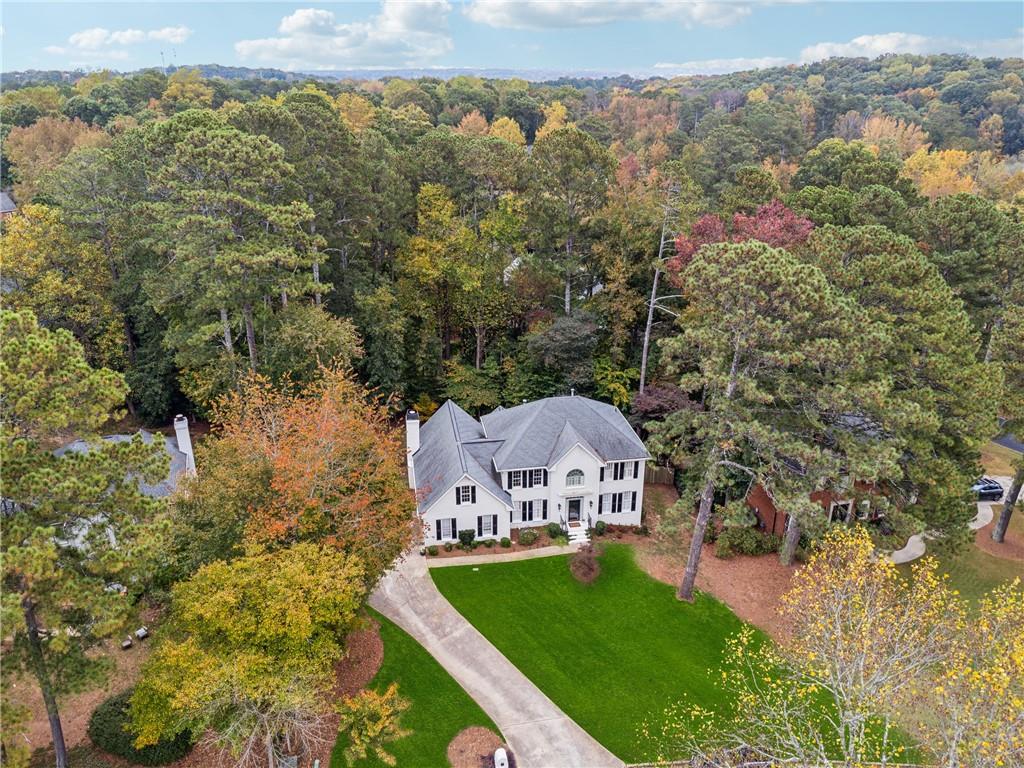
(600, 527)
(489, 543)
(745, 541)
(448, 547)
(466, 538)
(432, 550)
(554, 530)
(527, 537)
(107, 731)
(506, 542)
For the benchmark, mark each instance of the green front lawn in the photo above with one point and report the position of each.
(439, 710)
(612, 654)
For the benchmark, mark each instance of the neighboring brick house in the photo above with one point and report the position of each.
(771, 519)
(568, 460)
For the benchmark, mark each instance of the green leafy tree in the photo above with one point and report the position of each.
(75, 523)
(774, 356)
(1007, 352)
(569, 174)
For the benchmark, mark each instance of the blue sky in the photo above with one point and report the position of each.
(635, 36)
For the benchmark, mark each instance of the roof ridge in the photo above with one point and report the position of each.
(455, 434)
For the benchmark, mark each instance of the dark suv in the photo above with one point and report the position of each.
(988, 489)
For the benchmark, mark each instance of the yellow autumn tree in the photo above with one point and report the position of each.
(976, 698)
(37, 149)
(356, 112)
(508, 129)
(899, 137)
(938, 174)
(185, 89)
(863, 639)
(555, 116)
(473, 124)
(64, 282)
(370, 720)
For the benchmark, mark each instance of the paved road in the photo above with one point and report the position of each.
(539, 733)
(1011, 442)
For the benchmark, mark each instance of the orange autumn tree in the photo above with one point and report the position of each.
(335, 468)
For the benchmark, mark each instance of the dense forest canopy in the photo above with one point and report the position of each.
(436, 254)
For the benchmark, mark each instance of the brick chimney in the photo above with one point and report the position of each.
(412, 443)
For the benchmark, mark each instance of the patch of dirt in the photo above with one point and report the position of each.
(1012, 547)
(751, 586)
(473, 748)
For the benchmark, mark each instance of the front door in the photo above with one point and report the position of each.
(574, 510)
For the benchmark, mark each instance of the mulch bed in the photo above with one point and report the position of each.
(474, 748)
(1012, 547)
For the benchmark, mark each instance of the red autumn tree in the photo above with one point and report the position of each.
(337, 469)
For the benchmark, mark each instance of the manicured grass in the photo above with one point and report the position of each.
(973, 571)
(998, 459)
(612, 654)
(439, 707)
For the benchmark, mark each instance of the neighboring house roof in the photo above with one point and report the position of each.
(453, 444)
(6, 204)
(164, 487)
(534, 432)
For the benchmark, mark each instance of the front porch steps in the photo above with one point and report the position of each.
(578, 533)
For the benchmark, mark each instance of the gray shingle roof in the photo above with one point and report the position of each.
(166, 486)
(453, 443)
(6, 204)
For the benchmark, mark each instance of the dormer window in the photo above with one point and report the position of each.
(574, 479)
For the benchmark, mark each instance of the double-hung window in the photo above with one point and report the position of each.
(446, 529)
(465, 494)
(516, 479)
(526, 511)
(487, 525)
(538, 477)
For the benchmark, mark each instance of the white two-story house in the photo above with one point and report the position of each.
(568, 460)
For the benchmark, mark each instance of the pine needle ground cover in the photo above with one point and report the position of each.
(439, 709)
(612, 654)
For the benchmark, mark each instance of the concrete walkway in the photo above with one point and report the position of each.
(500, 557)
(917, 546)
(539, 734)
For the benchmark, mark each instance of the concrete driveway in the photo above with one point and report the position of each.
(539, 733)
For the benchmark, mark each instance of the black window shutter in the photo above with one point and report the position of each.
(472, 494)
(479, 525)
(438, 530)
(602, 474)
(636, 469)
(508, 480)
(544, 513)
(458, 494)
(632, 507)
(494, 525)
(545, 478)
(529, 478)
(600, 503)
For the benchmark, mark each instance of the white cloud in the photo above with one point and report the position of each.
(547, 14)
(109, 43)
(719, 66)
(403, 33)
(871, 46)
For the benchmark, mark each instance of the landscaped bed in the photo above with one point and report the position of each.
(613, 654)
(439, 709)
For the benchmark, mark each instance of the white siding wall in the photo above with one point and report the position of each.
(627, 486)
(576, 458)
(465, 514)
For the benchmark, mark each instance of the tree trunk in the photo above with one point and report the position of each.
(38, 663)
(568, 276)
(999, 531)
(647, 329)
(284, 299)
(480, 333)
(250, 335)
(316, 279)
(228, 344)
(700, 526)
(790, 541)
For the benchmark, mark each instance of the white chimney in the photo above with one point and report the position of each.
(412, 443)
(185, 443)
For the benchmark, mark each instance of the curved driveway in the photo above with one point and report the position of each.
(539, 733)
